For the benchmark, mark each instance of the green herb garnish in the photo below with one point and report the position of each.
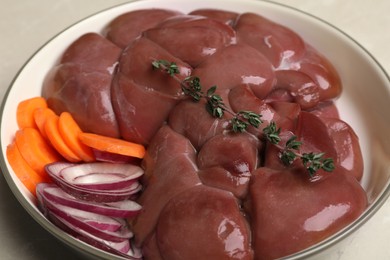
(241, 120)
(271, 132)
(192, 87)
(311, 161)
(169, 67)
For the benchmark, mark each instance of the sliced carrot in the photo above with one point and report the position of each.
(54, 136)
(70, 130)
(25, 111)
(40, 116)
(22, 169)
(112, 145)
(35, 150)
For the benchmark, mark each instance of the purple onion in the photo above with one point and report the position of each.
(92, 193)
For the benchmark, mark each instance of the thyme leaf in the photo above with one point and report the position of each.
(271, 132)
(170, 67)
(287, 157)
(315, 161)
(292, 143)
(191, 87)
(214, 105)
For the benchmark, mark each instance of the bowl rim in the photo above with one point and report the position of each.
(93, 251)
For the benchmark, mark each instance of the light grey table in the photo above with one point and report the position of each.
(25, 25)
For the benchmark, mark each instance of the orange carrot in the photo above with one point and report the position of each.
(40, 116)
(112, 145)
(22, 169)
(25, 111)
(35, 150)
(70, 130)
(54, 136)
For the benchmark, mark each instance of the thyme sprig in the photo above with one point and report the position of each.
(169, 67)
(192, 87)
(311, 161)
(241, 120)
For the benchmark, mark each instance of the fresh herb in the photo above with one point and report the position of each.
(241, 120)
(169, 67)
(311, 161)
(214, 105)
(315, 161)
(271, 132)
(192, 87)
(287, 155)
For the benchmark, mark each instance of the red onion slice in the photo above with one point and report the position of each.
(124, 248)
(98, 225)
(120, 209)
(98, 195)
(104, 181)
(109, 182)
(95, 173)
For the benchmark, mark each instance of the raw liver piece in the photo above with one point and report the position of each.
(81, 84)
(226, 17)
(184, 119)
(127, 27)
(192, 40)
(278, 43)
(237, 153)
(165, 140)
(223, 179)
(173, 173)
(313, 134)
(290, 212)
(142, 96)
(313, 81)
(326, 110)
(150, 248)
(301, 88)
(212, 218)
(306, 74)
(346, 142)
(242, 98)
(322, 72)
(236, 65)
(287, 114)
(227, 160)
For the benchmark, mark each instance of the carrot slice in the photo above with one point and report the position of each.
(22, 169)
(25, 111)
(40, 116)
(112, 145)
(70, 130)
(35, 150)
(54, 136)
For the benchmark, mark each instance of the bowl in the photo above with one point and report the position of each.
(363, 103)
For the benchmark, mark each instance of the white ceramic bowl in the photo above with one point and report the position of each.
(363, 104)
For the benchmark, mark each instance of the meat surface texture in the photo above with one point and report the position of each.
(210, 193)
(81, 84)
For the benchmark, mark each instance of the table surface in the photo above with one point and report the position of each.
(25, 25)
